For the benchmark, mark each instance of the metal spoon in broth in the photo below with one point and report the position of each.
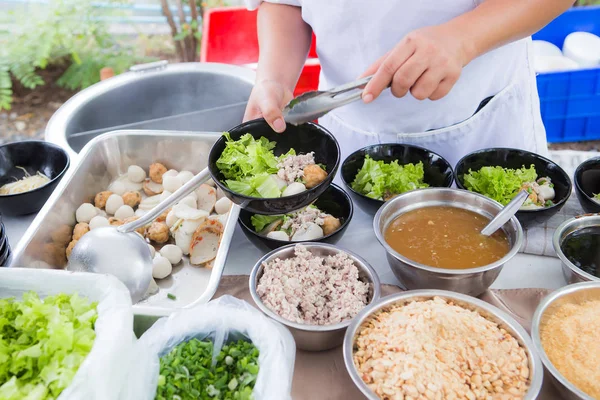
(505, 214)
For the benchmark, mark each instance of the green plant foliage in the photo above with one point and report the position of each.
(62, 31)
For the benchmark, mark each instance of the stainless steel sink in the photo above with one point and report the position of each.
(157, 96)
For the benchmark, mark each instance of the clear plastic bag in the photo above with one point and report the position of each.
(101, 374)
(220, 320)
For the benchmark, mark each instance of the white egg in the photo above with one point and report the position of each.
(171, 183)
(293, 188)
(169, 173)
(223, 205)
(189, 201)
(100, 212)
(85, 212)
(113, 203)
(185, 176)
(164, 195)
(278, 235)
(171, 218)
(547, 192)
(118, 187)
(161, 267)
(124, 211)
(136, 174)
(311, 231)
(152, 250)
(98, 222)
(281, 184)
(172, 253)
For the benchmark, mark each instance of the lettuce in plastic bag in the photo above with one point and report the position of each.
(43, 343)
(497, 183)
(378, 179)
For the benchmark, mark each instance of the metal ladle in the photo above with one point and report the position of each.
(121, 251)
(505, 214)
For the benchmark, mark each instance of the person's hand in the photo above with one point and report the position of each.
(427, 62)
(267, 100)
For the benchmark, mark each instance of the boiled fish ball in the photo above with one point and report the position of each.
(113, 203)
(161, 267)
(278, 235)
(293, 188)
(136, 174)
(172, 253)
(171, 183)
(185, 176)
(124, 211)
(85, 212)
(98, 222)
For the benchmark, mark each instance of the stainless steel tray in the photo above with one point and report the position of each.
(100, 162)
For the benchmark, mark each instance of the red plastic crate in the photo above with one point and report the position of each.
(229, 35)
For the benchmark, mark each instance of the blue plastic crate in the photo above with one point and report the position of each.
(570, 101)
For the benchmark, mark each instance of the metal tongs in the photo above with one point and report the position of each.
(312, 105)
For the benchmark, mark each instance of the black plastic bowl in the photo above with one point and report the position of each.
(333, 201)
(438, 172)
(304, 139)
(514, 159)
(587, 183)
(34, 156)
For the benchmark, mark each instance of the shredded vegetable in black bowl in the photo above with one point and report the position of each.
(375, 174)
(499, 173)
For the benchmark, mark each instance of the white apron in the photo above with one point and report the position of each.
(352, 34)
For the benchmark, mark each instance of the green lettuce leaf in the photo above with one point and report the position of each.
(43, 343)
(259, 222)
(248, 164)
(500, 184)
(377, 179)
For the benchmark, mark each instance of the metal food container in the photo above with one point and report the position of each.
(571, 272)
(103, 160)
(414, 275)
(486, 310)
(314, 337)
(571, 294)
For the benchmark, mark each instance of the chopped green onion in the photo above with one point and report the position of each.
(171, 296)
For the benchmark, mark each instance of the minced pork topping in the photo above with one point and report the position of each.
(313, 290)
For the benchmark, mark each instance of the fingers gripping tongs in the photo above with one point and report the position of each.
(312, 105)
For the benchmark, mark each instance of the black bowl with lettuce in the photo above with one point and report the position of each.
(377, 173)
(332, 215)
(251, 164)
(500, 173)
(587, 185)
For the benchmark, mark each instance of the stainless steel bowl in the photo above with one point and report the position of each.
(413, 275)
(314, 337)
(569, 294)
(571, 272)
(486, 310)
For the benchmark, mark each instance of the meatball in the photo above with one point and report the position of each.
(141, 231)
(330, 225)
(70, 248)
(313, 175)
(61, 235)
(163, 217)
(158, 232)
(156, 172)
(100, 199)
(115, 221)
(132, 199)
(80, 229)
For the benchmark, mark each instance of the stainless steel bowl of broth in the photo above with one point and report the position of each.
(577, 244)
(432, 239)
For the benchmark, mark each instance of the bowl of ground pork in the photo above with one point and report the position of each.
(315, 290)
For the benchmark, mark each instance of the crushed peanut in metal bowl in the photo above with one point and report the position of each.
(435, 348)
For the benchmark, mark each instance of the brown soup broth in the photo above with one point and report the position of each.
(446, 237)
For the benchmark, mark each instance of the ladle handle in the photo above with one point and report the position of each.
(505, 214)
(191, 185)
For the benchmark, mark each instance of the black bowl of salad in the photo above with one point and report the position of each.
(587, 185)
(325, 221)
(377, 173)
(272, 173)
(500, 173)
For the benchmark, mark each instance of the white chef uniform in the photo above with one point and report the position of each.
(352, 34)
